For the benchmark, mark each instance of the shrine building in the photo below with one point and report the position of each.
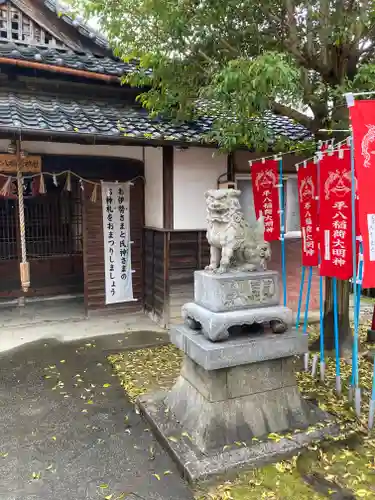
(76, 147)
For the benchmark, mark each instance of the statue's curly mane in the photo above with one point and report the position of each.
(233, 212)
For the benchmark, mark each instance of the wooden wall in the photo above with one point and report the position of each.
(188, 252)
(93, 251)
(155, 275)
(171, 258)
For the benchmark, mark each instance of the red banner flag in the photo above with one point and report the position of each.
(266, 197)
(362, 116)
(308, 209)
(335, 217)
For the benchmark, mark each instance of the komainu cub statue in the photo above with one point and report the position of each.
(234, 245)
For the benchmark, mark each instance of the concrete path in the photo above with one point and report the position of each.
(68, 432)
(43, 320)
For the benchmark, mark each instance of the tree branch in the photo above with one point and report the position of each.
(324, 30)
(293, 114)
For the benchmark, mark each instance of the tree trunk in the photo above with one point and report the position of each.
(345, 333)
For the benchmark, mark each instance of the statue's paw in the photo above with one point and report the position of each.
(210, 268)
(251, 267)
(221, 269)
(248, 268)
(278, 326)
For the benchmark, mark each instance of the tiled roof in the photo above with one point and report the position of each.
(63, 13)
(110, 118)
(85, 61)
(282, 126)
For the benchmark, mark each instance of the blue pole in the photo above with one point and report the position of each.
(306, 357)
(282, 228)
(321, 300)
(355, 378)
(321, 307)
(359, 284)
(336, 335)
(307, 300)
(357, 309)
(300, 296)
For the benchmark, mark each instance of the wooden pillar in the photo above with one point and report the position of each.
(230, 168)
(168, 161)
(168, 158)
(166, 294)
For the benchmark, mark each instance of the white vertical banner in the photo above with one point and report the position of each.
(292, 205)
(117, 246)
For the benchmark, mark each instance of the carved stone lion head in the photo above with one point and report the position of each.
(223, 205)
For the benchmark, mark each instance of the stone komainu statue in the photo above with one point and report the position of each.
(234, 245)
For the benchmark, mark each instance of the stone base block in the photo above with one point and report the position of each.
(196, 465)
(237, 350)
(229, 397)
(221, 407)
(215, 325)
(236, 290)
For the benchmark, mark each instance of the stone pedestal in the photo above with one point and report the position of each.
(236, 291)
(229, 397)
(224, 301)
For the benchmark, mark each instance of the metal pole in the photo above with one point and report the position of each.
(355, 378)
(306, 357)
(372, 402)
(321, 307)
(282, 228)
(336, 334)
(321, 299)
(300, 296)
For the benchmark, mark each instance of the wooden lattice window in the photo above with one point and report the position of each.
(53, 224)
(8, 229)
(15, 26)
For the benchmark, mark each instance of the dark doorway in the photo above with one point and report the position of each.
(53, 225)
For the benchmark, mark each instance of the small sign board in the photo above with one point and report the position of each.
(29, 164)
